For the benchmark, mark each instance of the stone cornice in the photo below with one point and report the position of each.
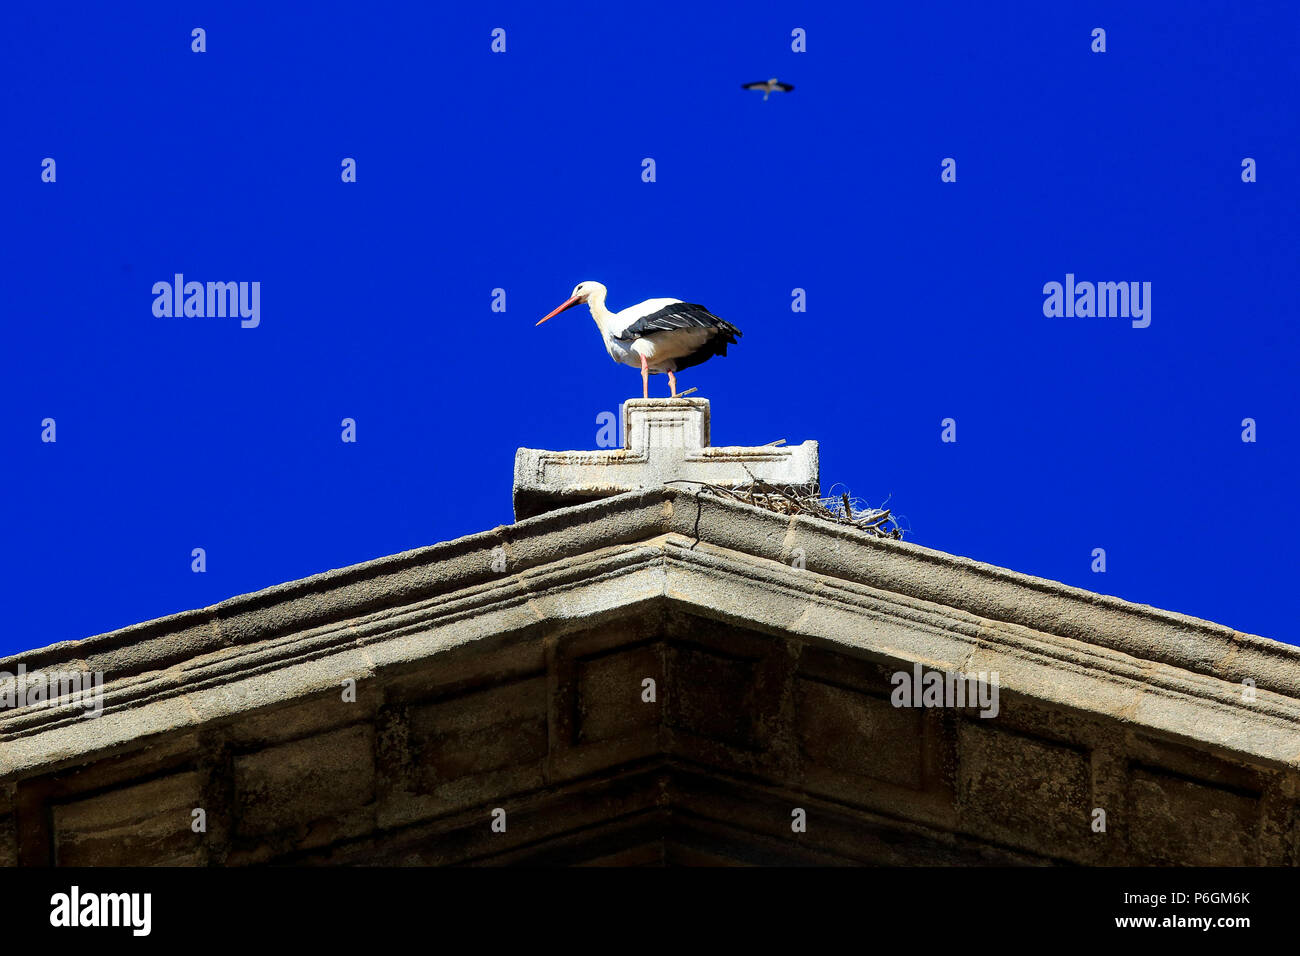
(997, 594)
(870, 597)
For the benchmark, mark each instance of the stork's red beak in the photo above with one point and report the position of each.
(567, 305)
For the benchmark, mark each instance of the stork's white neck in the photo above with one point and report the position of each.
(602, 315)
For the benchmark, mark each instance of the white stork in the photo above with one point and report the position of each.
(768, 88)
(657, 335)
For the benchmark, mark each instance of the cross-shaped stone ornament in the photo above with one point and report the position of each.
(664, 439)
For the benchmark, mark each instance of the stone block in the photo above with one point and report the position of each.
(297, 783)
(145, 824)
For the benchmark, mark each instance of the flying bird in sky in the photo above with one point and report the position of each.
(657, 335)
(768, 88)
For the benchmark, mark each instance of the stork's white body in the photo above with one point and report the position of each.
(661, 349)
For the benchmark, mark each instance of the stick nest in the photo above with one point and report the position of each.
(839, 508)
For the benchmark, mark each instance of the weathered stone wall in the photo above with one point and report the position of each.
(746, 727)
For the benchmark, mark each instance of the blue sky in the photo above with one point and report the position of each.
(522, 171)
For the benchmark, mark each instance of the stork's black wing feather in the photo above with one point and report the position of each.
(679, 315)
(786, 87)
(686, 315)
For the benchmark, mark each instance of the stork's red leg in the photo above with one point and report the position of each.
(645, 378)
(672, 383)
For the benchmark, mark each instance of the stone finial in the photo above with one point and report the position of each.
(664, 439)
